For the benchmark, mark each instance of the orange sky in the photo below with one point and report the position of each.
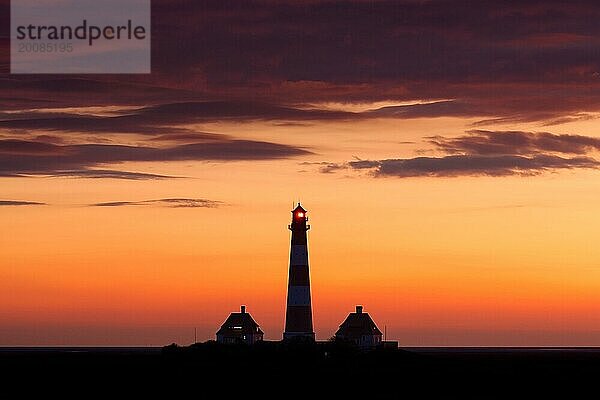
(438, 261)
(448, 154)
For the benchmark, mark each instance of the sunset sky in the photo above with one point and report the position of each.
(447, 152)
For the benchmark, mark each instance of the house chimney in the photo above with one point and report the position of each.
(359, 309)
(243, 309)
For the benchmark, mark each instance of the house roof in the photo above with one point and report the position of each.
(358, 324)
(240, 322)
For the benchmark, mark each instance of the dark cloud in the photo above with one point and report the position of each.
(85, 123)
(39, 91)
(238, 110)
(188, 137)
(428, 110)
(472, 165)
(483, 142)
(489, 153)
(49, 139)
(520, 61)
(172, 203)
(358, 41)
(20, 203)
(166, 119)
(494, 58)
(18, 157)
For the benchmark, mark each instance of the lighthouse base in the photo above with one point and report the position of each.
(299, 336)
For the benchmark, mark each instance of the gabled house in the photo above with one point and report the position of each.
(360, 329)
(239, 328)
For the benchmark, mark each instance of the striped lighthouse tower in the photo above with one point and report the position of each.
(298, 316)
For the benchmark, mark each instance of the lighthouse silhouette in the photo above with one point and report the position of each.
(298, 316)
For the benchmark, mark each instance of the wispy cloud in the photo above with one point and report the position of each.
(109, 174)
(20, 203)
(326, 167)
(169, 202)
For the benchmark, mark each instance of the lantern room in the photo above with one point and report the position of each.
(299, 213)
(299, 218)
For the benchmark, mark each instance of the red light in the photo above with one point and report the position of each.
(300, 214)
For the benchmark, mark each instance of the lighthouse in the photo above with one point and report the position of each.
(298, 316)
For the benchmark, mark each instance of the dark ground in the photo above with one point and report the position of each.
(292, 371)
